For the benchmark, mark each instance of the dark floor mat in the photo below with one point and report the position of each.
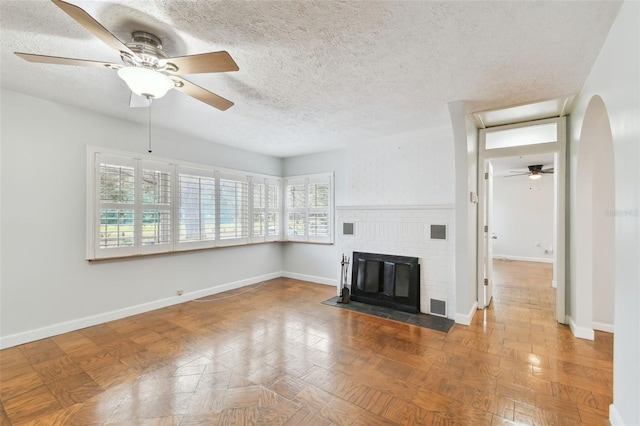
(421, 320)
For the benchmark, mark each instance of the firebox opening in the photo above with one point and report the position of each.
(386, 280)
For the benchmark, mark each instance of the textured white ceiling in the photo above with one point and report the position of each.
(316, 75)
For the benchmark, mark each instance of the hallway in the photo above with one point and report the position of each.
(572, 375)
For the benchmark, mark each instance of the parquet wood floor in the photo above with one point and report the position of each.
(276, 355)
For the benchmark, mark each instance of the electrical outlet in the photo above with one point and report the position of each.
(180, 292)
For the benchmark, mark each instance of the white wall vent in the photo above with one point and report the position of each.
(438, 307)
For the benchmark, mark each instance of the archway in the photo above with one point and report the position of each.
(595, 225)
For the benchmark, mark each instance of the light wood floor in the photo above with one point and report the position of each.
(276, 355)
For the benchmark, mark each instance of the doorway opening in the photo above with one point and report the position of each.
(540, 144)
(522, 232)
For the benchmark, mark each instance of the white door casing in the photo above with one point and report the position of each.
(488, 234)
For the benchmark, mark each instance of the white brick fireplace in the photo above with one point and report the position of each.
(405, 231)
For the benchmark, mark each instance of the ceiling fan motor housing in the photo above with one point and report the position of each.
(148, 53)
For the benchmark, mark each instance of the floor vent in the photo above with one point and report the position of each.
(438, 307)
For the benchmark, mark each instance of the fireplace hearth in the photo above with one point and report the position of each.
(386, 280)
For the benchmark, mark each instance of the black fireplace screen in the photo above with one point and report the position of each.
(386, 280)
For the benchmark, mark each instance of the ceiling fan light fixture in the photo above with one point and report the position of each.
(146, 82)
(535, 176)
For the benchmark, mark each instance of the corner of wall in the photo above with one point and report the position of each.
(310, 278)
(465, 319)
(614, 416)
(580, 331)
(465, 152)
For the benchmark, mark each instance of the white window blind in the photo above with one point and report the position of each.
(309, 208)
(259, 194)
(234, 207)
(116, 204)
(266, 209)
(296, 209)
(273, 209)
(156, 206)
(196, 208)
(319, 209)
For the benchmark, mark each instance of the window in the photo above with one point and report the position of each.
(309, 204)
(196, 207)
(273, 209)
(116, 204)
(521, 136)
(234, 207)
(148, 205)
(319, 209)
(140, 204)
(156, 206)
(266, 209)
(259, 191)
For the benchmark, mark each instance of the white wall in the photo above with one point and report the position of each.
(603, 234)
(523, 218)
(465, 142)
(414, 168)
(615, 78)
(47, 286)
(593, 259)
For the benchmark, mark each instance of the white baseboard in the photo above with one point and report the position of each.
(601, 326)
(579, 331)
(77, 324)
(614, 416)
(523, 258)
(465, 319)
(310, 278)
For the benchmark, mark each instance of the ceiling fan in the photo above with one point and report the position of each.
(535, 171)
(147, 69)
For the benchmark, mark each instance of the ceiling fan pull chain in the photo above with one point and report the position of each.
(149, 121)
